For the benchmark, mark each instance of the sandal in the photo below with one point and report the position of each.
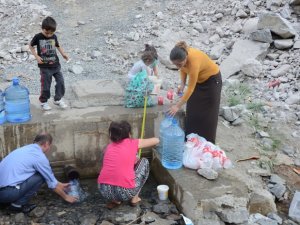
(134, 204)
(112, 205)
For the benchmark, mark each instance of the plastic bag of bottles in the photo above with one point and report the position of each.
(75, 190)
(200, 153)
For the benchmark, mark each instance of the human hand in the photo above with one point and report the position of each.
(71, 199)
(63, 186)
(39, 60)
(180, 89)
(173, 110)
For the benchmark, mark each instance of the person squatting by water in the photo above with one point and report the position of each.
(123, 174)
(24, 170)
(143, 80)
(203, 92)
(48, 62)
(148, 62)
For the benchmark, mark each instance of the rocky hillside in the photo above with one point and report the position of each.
(256, 44)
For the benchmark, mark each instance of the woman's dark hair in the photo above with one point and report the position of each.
(42, 138)
(179, 52)
(119, 131)
(49, 24)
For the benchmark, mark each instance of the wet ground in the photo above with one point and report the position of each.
(52, 210)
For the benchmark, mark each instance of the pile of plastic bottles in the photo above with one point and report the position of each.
(200, 153)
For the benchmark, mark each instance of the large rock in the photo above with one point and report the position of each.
(293, 99)
(296, 44)
(241, 52)
(276, 24)
(262, 36)
(250, 25)
(283, 44)
(91, 93)
(295, 4)
(281, 71)
(89, 219)
(123, 214)
(229, 208)
(150, 216)
(252, 68)
(262, 201)
(217, 50)
(261, 220)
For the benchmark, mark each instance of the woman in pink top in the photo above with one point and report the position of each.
(123, 175)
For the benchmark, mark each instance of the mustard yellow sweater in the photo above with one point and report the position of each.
(199, 67)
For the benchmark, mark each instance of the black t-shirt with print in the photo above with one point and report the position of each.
(46, 49)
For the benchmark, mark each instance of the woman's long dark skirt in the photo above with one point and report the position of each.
(202, 108)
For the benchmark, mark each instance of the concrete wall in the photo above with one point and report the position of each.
(80, 135)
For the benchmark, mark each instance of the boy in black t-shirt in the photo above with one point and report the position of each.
(48, 62)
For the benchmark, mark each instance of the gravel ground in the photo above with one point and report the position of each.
(99, 19)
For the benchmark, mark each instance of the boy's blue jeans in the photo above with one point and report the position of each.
(21, 193)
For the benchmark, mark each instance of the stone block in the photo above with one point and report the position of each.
(91, 93)
(262, 201)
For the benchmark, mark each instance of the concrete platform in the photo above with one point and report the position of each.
(204, 201)
(80, 135)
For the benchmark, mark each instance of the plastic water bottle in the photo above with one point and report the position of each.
(2, 111)
(17, 103)
(164, 125)
(173, 146)
(74, 189)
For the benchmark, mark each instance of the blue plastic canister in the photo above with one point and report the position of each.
(173, 146)
(17, 103)
(2, 111)
(164, 125)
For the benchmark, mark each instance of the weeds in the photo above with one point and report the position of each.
(266, 164)
(237, 94)
(254, 122)
(255, 106)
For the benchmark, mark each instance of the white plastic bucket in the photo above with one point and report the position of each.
(162, 192)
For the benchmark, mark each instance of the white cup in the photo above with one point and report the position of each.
(162, 192)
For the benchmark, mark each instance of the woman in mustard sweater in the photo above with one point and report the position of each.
(203, 91)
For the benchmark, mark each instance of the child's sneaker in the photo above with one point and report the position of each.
(61, 104)
(45, 106)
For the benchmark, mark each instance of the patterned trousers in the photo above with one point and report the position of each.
(117, 193)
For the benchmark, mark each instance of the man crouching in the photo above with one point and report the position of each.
(24, 170)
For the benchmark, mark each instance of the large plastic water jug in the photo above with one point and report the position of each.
(173, 146)
(164, 125)
(2, 111)
(17, 103)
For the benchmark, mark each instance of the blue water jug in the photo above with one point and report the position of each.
(173, 146)
(164, 125)
(17, 103)
(2, 111)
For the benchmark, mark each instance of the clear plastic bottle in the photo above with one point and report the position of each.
(2, 111)
(173, 146)
(164, 125)
(17, 103)
(74, 189)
